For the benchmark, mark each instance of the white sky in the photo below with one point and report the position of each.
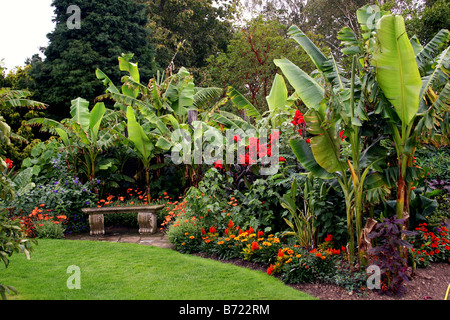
(24, 25)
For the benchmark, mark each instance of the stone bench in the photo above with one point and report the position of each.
(146, 217)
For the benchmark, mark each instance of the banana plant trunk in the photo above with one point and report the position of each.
(147, 184)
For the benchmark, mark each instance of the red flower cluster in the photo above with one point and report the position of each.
(9, 163)
(431, 246)
(218, 164)
(255, 148)
(298, 121)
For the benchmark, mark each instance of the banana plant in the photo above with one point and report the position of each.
(144, 145)
(336, 107)
(384, 80)
(85, 134)
(160, 108)
(398, 75)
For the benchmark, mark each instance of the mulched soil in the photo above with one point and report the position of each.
(429, 283)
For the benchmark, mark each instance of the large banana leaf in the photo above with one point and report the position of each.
(305, 156)
(79, 110)
(349, 41)
(242, 103)
(397, 72)
(137, 135)
(310, 91)
(311, 49)
(278, 95)
(95, 120)
(325, 145)
(426, 54)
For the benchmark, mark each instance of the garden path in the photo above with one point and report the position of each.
(126, 235)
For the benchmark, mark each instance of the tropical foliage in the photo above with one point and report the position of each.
(335, 161)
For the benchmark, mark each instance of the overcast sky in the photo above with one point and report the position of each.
(24, 25)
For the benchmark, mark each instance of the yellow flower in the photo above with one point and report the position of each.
(187, 233)
(298, 256)
(220, 242)
(183, 243)
(191, 237)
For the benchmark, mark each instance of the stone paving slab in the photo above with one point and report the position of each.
(126, 235)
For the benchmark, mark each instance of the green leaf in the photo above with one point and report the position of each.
(96, 117)
(325, 145)
(349, 41)
(106, 81)
(163, 143)
(79, 110)
(311, 49)
(278, 95)
(126, 65)
(137, 135)
(310, 91)
(305, 156)
(397, 72)
(242, 103)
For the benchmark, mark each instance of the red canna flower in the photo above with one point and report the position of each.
(260, 234)
(280, 253)
(328, 238)
(218, 164)
(298, 118)
(230, 224)
(9, 163)
(281, 159)
(255, 246)
(251, 230)
(212, 230)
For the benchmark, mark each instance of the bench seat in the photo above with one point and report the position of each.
(146, 217)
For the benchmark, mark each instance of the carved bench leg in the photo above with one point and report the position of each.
(147, 222)
(96, 224)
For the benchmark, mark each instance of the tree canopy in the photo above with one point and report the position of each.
(108, 29)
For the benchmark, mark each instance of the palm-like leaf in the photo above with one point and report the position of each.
(428, 52)
(242, 103)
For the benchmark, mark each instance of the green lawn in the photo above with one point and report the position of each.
(120, 271)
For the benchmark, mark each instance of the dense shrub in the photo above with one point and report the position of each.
(431, 244)
(64, 195)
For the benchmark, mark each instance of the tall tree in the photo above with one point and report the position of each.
(248, 66)
(423, 18)
(317, 16)
(107, 29)
(190, 30)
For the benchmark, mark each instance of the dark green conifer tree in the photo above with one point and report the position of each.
(107, 28)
